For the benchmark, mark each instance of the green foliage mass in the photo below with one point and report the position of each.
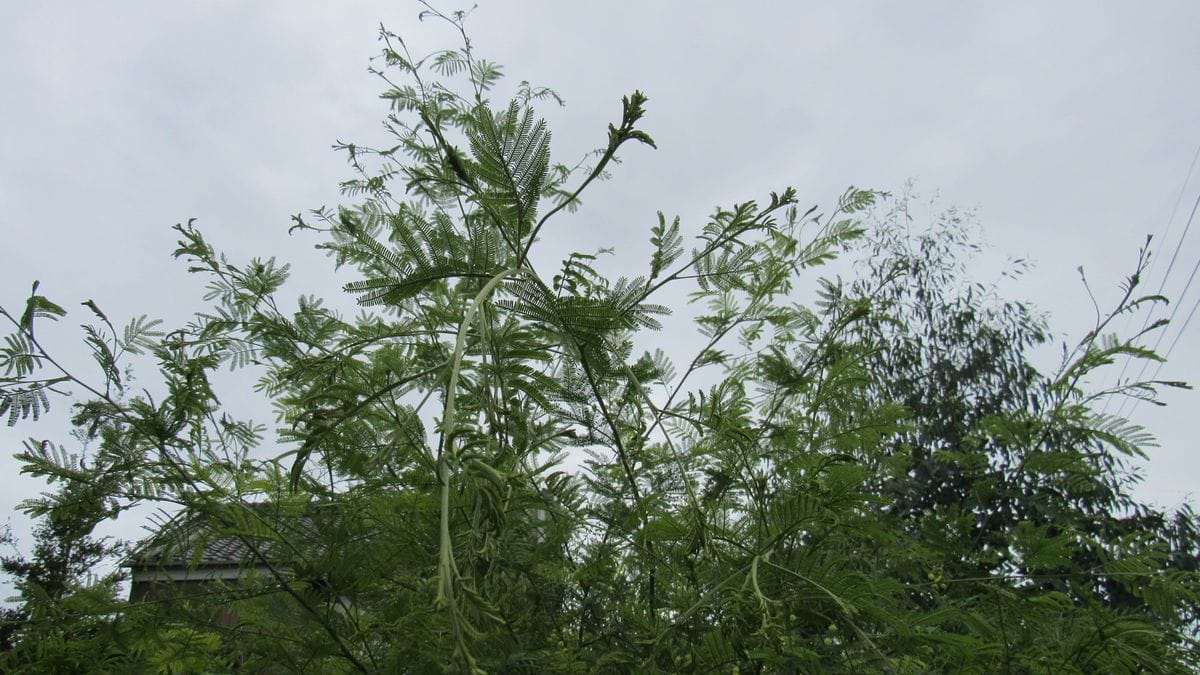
(482, 473)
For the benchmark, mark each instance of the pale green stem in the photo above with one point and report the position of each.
(447, 569)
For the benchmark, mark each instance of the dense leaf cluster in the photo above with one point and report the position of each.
(485, 472)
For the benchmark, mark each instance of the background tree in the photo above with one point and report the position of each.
(1003, 471)
(482, 473)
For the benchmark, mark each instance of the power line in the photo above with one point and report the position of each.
(1178, 245)
(1167, 356)
(1182, 329)
(1182, 295)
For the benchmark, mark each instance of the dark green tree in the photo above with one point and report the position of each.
(62, 624)
(1004, 472)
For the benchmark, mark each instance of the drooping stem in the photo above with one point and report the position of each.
(447, 569)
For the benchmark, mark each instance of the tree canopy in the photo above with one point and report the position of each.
(500, 473)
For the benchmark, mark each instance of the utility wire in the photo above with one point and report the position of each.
(1182, 295)
(1167, 356)
(1182, 329)
(1178, 245)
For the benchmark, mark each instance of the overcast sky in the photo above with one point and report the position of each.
(1069, 127)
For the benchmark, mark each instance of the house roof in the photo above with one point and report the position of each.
(188, 539)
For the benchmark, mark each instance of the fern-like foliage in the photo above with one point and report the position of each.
(425, 251)
(18, 404)
(667, 243)
(512, 155)
(495, 467)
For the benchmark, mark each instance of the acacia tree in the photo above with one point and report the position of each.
(481, 473)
